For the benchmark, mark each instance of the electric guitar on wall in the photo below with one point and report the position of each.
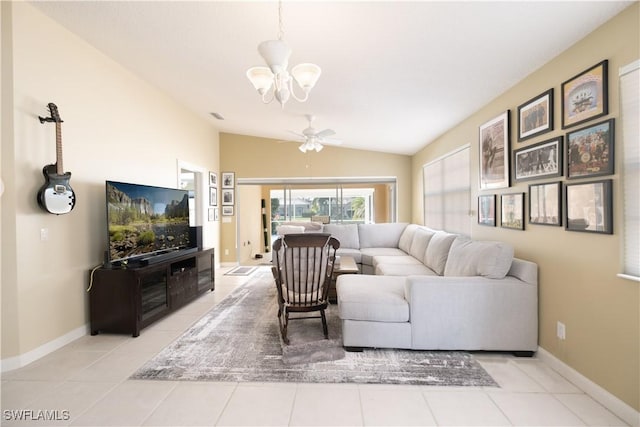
(56, 195)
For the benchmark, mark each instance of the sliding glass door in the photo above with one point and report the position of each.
(327, 204)
(327, 200)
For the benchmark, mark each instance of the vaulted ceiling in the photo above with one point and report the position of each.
(395, 75)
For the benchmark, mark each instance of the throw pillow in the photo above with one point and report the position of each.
(479, 258)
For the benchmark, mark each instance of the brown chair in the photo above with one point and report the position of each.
(303, 265)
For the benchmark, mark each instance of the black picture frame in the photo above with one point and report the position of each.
(228, 197)
(494, 152)
(589, 206)
(535, 117)
(590, 150)
(213, 196)
(512, 211)
(227, 211)
(487, 210)
(586, 95)
(228, 179)
(545, 203)
(213, 179)
(541, 160)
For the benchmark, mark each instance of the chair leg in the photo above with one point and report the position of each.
(283, 325)
(324, 324)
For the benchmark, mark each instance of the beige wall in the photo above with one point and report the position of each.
(254, 157)
(249, 213)
(116, 126)
(577, 271)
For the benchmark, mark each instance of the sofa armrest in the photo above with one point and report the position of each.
(482, 313)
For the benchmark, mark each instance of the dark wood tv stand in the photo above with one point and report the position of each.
(127, 299)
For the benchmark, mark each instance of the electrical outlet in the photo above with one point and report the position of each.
(226, 251)
(44, 234)
(561, 331)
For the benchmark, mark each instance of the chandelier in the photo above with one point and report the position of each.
(276, 76)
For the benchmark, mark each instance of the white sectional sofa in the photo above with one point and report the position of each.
(431, 290)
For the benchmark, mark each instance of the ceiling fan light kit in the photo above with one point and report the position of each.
(276, 54)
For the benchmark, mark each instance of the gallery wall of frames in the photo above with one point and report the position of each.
(227, 195)
(566, 173)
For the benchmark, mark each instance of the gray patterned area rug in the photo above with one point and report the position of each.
(239, 340)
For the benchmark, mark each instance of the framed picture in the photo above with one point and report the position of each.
(228, 179)
(544, 203)
(487, 210)
(227, 197)
(494, 153)
(211, 214)
(589, 207)
(213, 196)
(213, 179)
(541, 160)
(585, 96)
(590, 150)
(535, 116)
(227, 210)
(512, 211)
(215, 214)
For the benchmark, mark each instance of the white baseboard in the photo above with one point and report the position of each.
(22, 360)
(599, 394)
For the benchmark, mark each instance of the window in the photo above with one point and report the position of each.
(345, 205)
(447, 192)
(629, 113)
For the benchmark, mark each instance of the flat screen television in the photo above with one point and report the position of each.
(145, 221)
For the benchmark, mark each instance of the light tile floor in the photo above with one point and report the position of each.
(87, 383)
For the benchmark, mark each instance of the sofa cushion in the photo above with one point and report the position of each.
(479, 258)
(354, 253)
(395, 259)
(420, 242)
(404, 270)
(347, 234)
(437, 251)
(369, 253)
(372, 298)
(386, 235)
(407, 237)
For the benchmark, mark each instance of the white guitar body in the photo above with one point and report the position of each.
(59, 200)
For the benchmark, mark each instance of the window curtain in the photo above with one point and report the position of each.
(447, 192)
(629, 115)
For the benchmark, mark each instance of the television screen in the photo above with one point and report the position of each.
(145, 220)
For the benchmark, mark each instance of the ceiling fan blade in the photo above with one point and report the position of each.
(325, 133)
(299, 135)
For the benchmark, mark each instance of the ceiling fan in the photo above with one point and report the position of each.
(313, 139)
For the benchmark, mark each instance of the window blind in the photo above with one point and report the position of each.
(629, 115)
(447, 192)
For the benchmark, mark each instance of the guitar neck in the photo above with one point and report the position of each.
(59, 168)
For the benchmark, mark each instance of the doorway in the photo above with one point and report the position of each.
(348, 201)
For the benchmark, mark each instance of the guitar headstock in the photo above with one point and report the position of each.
(55, 116)
(54, 112)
